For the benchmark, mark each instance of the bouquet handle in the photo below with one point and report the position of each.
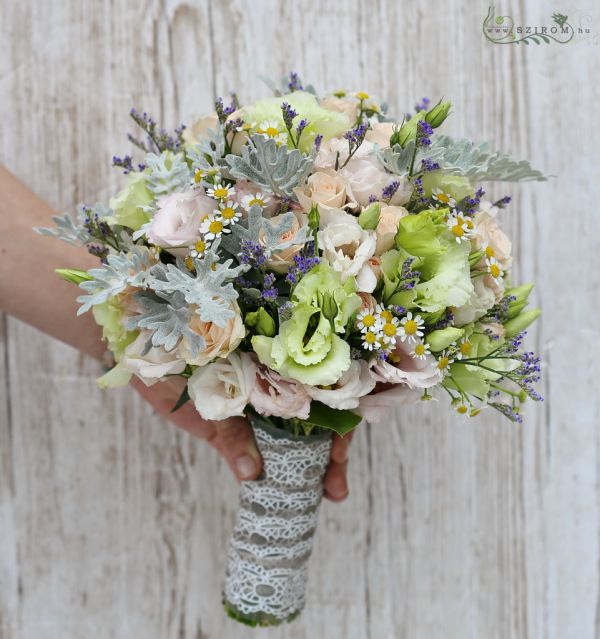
(273, 536)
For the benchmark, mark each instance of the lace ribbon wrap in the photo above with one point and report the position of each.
(273, 536)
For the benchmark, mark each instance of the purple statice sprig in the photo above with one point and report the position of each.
(447, 319)
(499, 312)
(302, 264)
(126, 163)
(428, 165)
(355, 137)
(224, 110)
(294, 82)
(469, 205)
(99, 251)
(423, 105)
(269, 292)
(99, 230)
(252, 253)
(157, 140)
(390, 190)
(424, 133)
(294, 132)
(503, 202)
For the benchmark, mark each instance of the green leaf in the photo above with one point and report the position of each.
(183, 399)
(340, 421)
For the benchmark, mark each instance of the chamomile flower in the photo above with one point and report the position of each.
(198, 249)
(461, 408)
(390, 331)
(202, 173)
(258, 199)
(420, 351)
(371, 341)
(362, 95)
(464, 348)
(494, 269)
(488, 251)
(459, 228)
(229, 212)
(383, 313)
(220, 191)
(270, 129)
(213, 227)
(368, 320)
(411, 327)
(443, 363)
(443, 198)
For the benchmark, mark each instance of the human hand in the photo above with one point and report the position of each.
(233, 437)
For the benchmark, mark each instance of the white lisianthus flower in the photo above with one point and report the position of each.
(347, 391)
(346, 246)
(222, 389)
(274, 395)
(369, 275)
(153, 365)
(480, 301)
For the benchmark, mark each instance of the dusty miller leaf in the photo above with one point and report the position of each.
(168, 172)
(120, 271)
(168, 317)
(275, 168)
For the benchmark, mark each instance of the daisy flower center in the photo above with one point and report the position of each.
(420, 349)
(410, 327)
(442, 197)
(389, 329)
(494, 270)
(368, 320)
(458, 230)
(362, 95)
(254, 201)
(370, 338)
(200, 246)
(221, 192)
(387, 316)
(271, 131)
(489, 251)
(228, 213)
(465, 348)
(216, 226)
(443, 363)
(462, 409)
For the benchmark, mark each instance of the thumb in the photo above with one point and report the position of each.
(235, 442)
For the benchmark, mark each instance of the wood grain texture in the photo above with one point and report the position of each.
(113, 525)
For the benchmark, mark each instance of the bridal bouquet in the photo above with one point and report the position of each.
(307, 262)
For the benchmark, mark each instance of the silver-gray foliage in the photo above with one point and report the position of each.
(168, 172)
(275, 168)
(464, 157)
(71, 230)
(210, 145)
(478, 162)
(168, 317)
(121, 270)
(209, 286)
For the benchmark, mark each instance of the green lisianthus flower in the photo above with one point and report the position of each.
(128, 205)
(419, 234)
(307, 348)
(321, 121)
(456, 186)
(445, 277)
(323, 283)
(109, 316)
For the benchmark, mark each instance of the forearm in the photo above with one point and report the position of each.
(29, 288)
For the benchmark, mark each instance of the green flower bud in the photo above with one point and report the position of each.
(328, 305)
(369, 218)
(521, 322)
(261, 322)
(314, 218)
(442, 338)
(436, 116)
(475, 257)
(514, 308)
(395, 137)
(520, 292)
(408, 131)
(73, 275)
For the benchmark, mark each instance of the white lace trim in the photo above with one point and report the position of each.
(273, 536)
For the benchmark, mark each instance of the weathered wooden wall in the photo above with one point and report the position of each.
(113, 525)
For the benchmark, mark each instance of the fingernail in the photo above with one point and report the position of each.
(245, 467)
(337, 489)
